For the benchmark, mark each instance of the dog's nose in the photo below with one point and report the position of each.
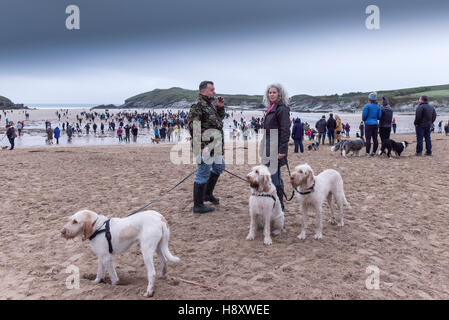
(63, 231)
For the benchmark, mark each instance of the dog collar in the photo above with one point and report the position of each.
(265, 195)
(311, 189)
(107, 232)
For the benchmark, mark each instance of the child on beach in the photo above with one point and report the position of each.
(57, 133)
(49, 135)
(11, 134)
(120, 133)
(134, 131)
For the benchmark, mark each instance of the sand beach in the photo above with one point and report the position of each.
(398, 223)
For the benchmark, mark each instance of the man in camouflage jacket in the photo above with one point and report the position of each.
(207, 119)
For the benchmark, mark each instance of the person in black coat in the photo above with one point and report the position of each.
(321, 127)
(386, 120)
(11, 134)
(298, 135)
(331, 124)
(424, 118)
(362, 129)
(276, 123)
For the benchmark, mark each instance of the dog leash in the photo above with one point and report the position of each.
(235, 175)
(283, 192)
(157, 199)
(293, 192)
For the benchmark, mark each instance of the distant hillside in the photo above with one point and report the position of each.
(5, 102)
(404, 100)
(178, 97)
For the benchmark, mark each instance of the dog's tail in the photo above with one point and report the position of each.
(164, 244)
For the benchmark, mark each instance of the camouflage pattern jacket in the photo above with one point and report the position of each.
(210, 116)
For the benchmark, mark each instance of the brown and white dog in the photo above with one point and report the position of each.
(149, 228)
(264, 206)
(313, 190)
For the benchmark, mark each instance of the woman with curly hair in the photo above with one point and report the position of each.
(276, 124)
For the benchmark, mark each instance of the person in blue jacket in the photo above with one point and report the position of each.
(371, 114)
(57, 134)
(298, 135)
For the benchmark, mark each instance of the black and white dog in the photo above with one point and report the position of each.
(397, 147)
(347, 146)
(315, 146)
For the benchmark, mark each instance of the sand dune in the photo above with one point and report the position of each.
(398, 222)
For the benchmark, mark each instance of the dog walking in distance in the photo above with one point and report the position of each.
(347, 146)
(391, 145)
(149, 228)
(313, 190)
(265, 210)
(313, 146)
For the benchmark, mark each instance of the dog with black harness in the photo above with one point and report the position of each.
(148, 228)
(265, 209)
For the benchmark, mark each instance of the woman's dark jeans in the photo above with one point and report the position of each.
(371, 131)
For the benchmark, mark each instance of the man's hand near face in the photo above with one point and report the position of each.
(220, 102)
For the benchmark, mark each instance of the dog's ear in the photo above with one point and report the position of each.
(266, 183)
(310, 179)
(88, 227)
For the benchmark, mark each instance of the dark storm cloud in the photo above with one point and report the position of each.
(33, 25)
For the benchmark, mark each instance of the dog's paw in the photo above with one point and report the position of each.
(148, 294)
(97, 280)
(341, 224)
(276, 232)
(250, 237)
(115, 282)
(302, 235)
(332, 221)
(267, 241)
(318, 235)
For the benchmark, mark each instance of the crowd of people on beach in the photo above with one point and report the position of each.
(166, 126)
(376, 121)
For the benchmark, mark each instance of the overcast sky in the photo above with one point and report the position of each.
(124, 48)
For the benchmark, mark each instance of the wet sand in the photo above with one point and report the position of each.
(398, 222)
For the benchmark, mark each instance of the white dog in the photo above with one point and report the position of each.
(149, 228)
(264, 205)
(313, 190)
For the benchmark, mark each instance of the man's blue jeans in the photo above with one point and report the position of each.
(203, 170)
(321, 136)
(421, 133)
(298, 144)
(330, 135)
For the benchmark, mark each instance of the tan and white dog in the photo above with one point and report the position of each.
(264, 206)
(313, 190)
(149, 228)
